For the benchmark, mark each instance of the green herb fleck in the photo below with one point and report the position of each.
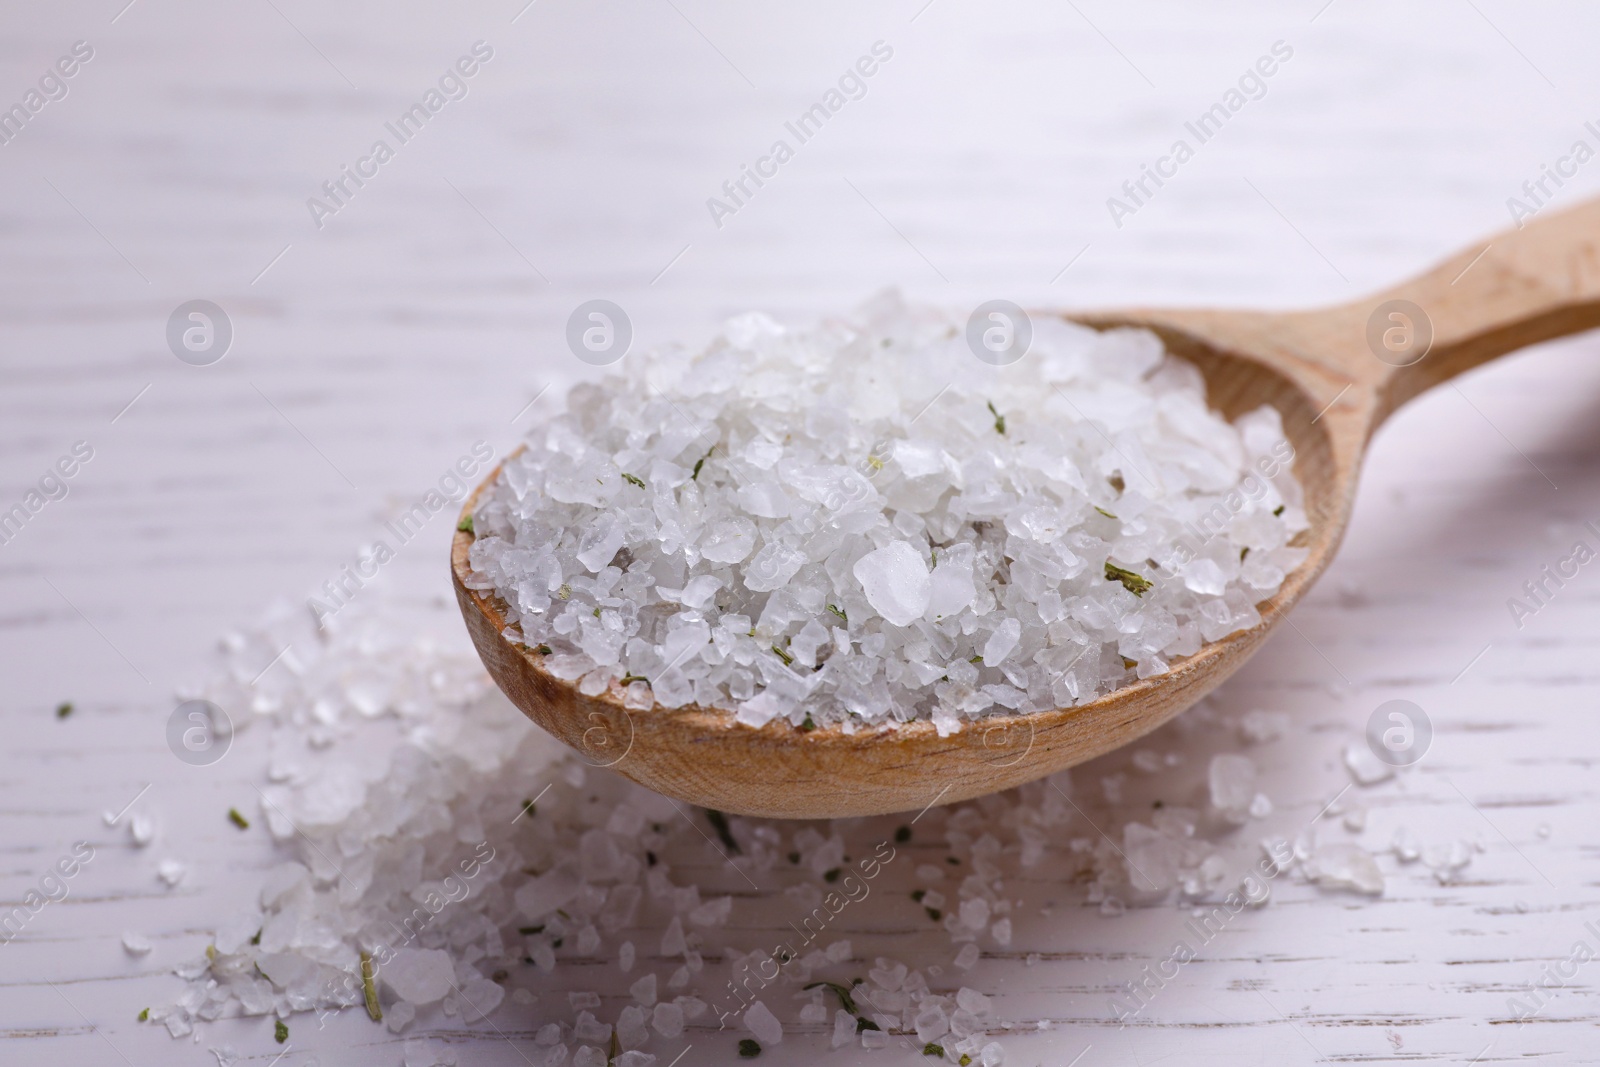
(701, 462)
(1104, 512)
(527, 809)
(256, 940)
(846, 1001)
(831, 874)
(975, 659)
(1129, 664)
(749, 1048)
(839, 612)
(808, 725)
(144, 1016)
(557, 943)
(544, 650)
(965, 1060)
(1243, 552)
(918, 894)
(465, 525)
(902, 835)
(1137, 584)
(952, 861)
(63, 709)
(633, 479)
(527, 931)
(238, 820)
(863, 1024)
(629, 679)
(999, 419)
(280, 1031)
(615, 1051)
(931, 1049)
(719, 823)
(597, 611)
(565, 592)
(788, 660)
(794, 857)
(1278, 510)
(368, 989)
(934, 913)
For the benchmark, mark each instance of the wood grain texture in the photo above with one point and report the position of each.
(414, 323)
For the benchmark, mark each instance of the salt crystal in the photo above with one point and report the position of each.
(973, 1001)
(142, 828)
(1001, 642)
(419, 975)
(931, 1023)
(625, 955)
(588, 1028)
(1258, 726)
(1405, 845)
(667, 1018)
(479, 999)
(896, 582)
(135, 944)
(1364, 767)
(171, 872)
(644, 990)
(967, 956)
(844, 1028)
(631, 1031)
(399, 1015)
(1344, 866)
(763, 1024)
(1232, 782)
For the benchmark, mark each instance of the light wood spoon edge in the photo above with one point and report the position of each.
(1316, 367)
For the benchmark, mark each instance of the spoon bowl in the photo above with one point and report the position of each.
(1334, 374)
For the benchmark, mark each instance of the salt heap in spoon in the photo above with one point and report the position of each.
(861, 523)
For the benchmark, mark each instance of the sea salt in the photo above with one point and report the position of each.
(860, 523)
(382, 835)
(1232, 781)
(763, 1024)
(1345, 866)
(421, 976)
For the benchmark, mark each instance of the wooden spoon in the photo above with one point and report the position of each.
(1334, 373)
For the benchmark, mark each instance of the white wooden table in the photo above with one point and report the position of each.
(429, 309)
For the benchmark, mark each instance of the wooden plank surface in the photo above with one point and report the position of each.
(425, 314)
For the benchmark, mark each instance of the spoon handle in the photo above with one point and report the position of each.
(1524, 285)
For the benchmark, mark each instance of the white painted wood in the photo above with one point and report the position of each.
(422, 317)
